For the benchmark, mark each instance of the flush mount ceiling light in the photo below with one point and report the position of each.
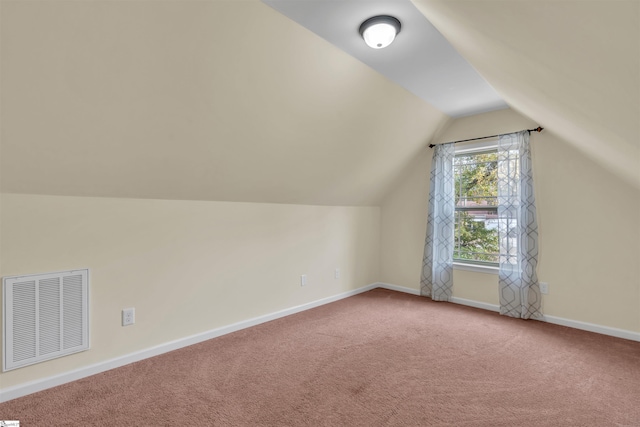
(379, 31)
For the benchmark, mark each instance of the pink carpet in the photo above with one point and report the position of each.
(380, 358)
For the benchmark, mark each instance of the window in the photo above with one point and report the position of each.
(476, 207)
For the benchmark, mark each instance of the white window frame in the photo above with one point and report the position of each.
(470, 148)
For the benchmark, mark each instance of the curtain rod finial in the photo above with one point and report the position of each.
(538, 129)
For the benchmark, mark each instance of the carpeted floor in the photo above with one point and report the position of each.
(380, 358)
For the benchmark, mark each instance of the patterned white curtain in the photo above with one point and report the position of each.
(436, 280)
(518, 229)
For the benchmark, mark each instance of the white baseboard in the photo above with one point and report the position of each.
(45, 383)
(456, 300)
(397, 288)
(576, 324)
(20, 390)
(476, 304)
(592, 327)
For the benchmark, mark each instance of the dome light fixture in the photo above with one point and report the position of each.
(379, 31)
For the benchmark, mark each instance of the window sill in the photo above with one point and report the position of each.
(477, 268)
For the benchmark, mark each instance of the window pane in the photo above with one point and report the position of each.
(476, 236)
(476, 229)
(476, 179)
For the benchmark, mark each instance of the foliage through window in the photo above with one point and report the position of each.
(476, 208)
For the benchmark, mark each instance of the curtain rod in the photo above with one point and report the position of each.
(538, 129)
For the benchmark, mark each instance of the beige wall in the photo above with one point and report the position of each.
(186, 266)
(588, 226)
(152, 100)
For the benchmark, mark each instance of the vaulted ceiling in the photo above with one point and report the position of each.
(573, 66)
(201, 100)
(420, 59)
(230, 100)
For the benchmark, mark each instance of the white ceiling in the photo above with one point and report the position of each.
(420, 59)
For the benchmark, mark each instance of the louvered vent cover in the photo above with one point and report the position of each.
(45, 316)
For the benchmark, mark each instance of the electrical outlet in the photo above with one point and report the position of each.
(128, 316)
(303, 280)
(337, 274)
(544, 288)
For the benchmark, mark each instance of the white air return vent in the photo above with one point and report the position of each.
(45, 317)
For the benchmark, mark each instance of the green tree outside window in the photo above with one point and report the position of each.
(476, 228)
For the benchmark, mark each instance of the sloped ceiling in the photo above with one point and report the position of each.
(230, 100)
(216, 100)
(420, 59)
(573, 66)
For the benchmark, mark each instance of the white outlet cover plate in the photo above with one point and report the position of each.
(128, 316)
(544, 288)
